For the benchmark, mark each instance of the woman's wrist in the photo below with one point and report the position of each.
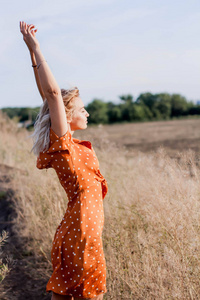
(36, 49)
(32, 54)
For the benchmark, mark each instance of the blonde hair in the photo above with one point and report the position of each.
(43, 121)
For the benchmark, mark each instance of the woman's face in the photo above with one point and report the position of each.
(79, 116)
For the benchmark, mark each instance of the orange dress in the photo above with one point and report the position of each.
(78, 261)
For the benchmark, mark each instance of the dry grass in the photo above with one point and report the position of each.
(152, 211)
(4, 268)
(172, 135)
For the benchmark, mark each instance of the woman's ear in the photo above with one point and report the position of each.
(69, 118)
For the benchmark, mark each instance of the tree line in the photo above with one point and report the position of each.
(147, 107)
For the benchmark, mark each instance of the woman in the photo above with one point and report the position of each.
(79, 270)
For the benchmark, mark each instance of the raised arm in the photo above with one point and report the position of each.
(34, 64)
(37, 79)
(49, 86)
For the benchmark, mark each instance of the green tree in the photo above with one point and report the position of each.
(127, 98)
(139, 112)
(21, 113)
(193, 109)
(163, 105)
(97, 110)
(12, 111)
(126, 107)
(114, 112)
(178, 105)
(147, 99)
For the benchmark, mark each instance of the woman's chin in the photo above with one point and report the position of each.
(85, 125)
(82, 127)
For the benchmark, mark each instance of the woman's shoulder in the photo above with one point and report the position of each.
(57, 146)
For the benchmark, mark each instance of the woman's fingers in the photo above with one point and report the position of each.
(32, 29)
(31, 26)
(23, 27)
(34, 32)
(29, 31)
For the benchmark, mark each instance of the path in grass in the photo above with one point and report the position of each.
(24, 281)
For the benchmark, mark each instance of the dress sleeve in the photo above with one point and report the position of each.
(56, 146)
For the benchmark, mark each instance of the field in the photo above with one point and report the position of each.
(152, 211)
(172, 135)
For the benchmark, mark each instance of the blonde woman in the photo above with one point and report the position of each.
(79, 270)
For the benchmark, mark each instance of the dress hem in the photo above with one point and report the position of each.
(81, 297)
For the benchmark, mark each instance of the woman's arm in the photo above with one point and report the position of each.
(34, 64)
(48, 83)
(37, 79)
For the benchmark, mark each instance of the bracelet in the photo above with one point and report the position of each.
(34, 66)
(40, 63)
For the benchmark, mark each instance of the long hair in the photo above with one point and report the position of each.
(43, 121)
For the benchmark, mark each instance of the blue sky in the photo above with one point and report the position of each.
(105, 47)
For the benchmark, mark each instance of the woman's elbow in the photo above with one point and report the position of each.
(52, 93)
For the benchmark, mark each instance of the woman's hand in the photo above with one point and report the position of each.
(29, 37)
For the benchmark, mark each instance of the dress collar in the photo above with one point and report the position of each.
(82, 142)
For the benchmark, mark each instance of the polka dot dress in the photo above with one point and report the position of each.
(78, 261)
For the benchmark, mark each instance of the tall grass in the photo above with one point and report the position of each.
(152, 215)
(4, 267)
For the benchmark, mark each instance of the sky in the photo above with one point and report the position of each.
(106, 48)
